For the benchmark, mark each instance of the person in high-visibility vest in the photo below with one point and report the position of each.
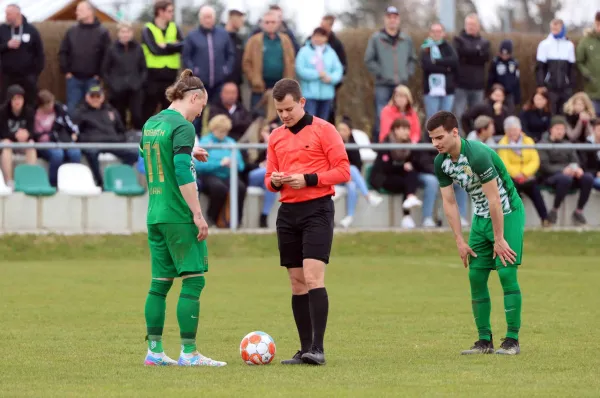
(162, 43)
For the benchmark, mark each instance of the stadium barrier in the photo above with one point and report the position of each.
(73, 214)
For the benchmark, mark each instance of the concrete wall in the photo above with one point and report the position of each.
(109, 213)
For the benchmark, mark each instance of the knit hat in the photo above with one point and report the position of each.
(482, 122)
(558, 120)
(506, 47)
(13, 90)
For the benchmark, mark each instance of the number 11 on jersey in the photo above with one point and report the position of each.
(149, 151)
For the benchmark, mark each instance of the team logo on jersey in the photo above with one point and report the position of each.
(468, 171)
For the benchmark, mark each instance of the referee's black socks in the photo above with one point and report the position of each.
(319, 308)
(302, 314)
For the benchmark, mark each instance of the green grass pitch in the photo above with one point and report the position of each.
(72, 323)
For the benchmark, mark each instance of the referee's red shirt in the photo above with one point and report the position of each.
(312, 147)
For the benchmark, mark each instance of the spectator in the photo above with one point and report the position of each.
(214, 174)
(390, 57)
(282, 26)
(231, 106)
(319, 70)
(593, 164)
(162, 43)
(100, 122)
(209, 52)
(124, 72)
(53, 124)
(21, 54)
(357, 182)
(234, 24)
(268, 57)
(493, 107)
(400, 106)
(440, 65)
(588, 61)
(396, 170)
(504, 70)
(473, 54)
(16, 125)
(535, 116)
(579, 111)
(256, 177)
(561, 169)
(522, 164)
(555, 67)
(81, 54)
(336, 44)
(484, 130)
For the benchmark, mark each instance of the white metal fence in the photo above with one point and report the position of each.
(233, 177)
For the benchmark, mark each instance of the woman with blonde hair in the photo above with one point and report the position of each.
(579, 111)
(401, 106)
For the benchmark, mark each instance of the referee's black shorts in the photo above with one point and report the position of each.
(305, 231)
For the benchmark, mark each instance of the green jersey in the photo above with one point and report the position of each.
(478, 164)
(166, 135)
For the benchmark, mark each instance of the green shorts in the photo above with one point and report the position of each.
(481, 240)
(175, 250)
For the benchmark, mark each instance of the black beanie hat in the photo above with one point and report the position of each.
(506, 47)
(13, 90)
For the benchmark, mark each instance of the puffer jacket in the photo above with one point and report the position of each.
(306, 71)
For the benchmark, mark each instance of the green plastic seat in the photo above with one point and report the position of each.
(32, 179)
(368, 170)
(128, 185)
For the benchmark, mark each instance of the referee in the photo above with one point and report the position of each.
(306, 158)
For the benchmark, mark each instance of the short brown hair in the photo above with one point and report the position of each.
(161, 5)
(186, 82)
(400, 123)
(45, 97)
(329, 17)
(287, 86)
(442, 119)
(275, 7)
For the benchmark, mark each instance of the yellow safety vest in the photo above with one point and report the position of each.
(153, 61)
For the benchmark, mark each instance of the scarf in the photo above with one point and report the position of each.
(518, 151)
(561, 34)
(433, 46)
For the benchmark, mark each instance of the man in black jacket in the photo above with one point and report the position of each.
(124, 71)
(21, 54)
(100, 122)
(473, 54)
(233, 26)
(81, 54)
(230, 106)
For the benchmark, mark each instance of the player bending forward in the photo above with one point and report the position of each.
(496, 239)
(176, 228)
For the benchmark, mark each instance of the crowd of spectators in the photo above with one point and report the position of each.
(112, 87)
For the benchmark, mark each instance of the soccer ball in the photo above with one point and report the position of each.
(257, 348)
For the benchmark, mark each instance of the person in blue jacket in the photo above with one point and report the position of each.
(213, 175)
(319, 70)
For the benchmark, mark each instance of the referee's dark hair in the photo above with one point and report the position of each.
(287, 86)
(442, 118)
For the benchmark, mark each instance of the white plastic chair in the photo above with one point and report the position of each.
(77, 180)
(361, 138)
(5, 190)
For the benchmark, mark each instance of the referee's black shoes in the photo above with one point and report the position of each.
(296, 359)
(314, 357)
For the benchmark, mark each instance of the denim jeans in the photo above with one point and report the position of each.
(76, 90)
(318, 108)
(353, 187)
(435, 104)
(55, 159)
(256, 178)
(597, 109)
(466, 98)
(430, 185)
(383, 94)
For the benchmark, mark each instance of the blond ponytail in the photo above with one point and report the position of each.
(186, 82)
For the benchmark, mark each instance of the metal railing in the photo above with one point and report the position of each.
(233, 166)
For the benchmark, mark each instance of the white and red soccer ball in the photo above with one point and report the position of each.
(257, 348)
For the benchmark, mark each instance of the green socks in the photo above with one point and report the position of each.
(188, 311)
(512, 300)
(155, 313)
(480, 300)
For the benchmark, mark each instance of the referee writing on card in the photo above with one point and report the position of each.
(306, 158)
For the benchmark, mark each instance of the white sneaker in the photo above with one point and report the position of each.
(158, 359)
(410, 202)
(346, 221)
(374, 199)
(197, 359)
(463, 222)
(408, 222)
(429, 223)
